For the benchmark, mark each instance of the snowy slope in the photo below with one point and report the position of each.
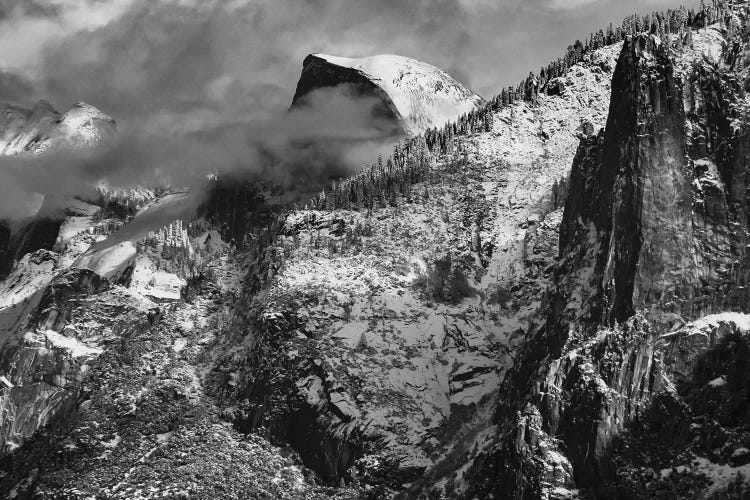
(423, 95)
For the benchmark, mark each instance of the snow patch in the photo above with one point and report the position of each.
(74, 346)
(109, 262)
(424, 95)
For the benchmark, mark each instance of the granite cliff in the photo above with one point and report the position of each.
(413, 94)
(650, 289)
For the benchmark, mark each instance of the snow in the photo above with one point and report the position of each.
(412, 371)
(152, 282)
(424, 95)
(561, 492)
(74, 346)
(707, 326)
(85, 125)
(164, 437)
(79, 221)
(113, 442)
(42, 128)
(352, 333)
(179, 344)
(31, 273)
(712, 321)
(109, 262)
(311, 388)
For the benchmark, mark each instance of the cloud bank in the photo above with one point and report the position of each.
(199, 86)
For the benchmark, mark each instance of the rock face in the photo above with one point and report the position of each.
(415, 94)
(39, 232)
(654, 236)
(43, 368)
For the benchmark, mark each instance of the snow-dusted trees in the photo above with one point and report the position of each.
(673, 21)
(380, 184)
(444, 281)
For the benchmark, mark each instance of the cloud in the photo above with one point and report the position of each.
(31, 8)
(569, 4)
(297, 151)
(15, 87)
(28, 26)
(198, 86)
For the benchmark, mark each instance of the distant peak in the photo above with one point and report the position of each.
(84, 111)
(84, 105)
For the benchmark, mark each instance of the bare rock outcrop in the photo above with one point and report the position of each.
(413, 95)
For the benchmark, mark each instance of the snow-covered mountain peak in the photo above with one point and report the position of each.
(38, 129)
(420, 95)
(83, 124)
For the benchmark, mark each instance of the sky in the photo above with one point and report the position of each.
(196, 85)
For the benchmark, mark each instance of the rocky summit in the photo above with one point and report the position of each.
(540, 296)
(414, 94)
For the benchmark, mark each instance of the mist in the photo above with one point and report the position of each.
(297, 151)
(199, 87)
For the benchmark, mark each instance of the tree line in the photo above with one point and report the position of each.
(381, 183)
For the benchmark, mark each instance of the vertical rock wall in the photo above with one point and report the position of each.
(654, 236)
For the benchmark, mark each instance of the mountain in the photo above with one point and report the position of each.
(633, 383)
(42, 127)
(415, 94)
(391, 358)
(332, 329)
(42, 130)
(546, 298)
